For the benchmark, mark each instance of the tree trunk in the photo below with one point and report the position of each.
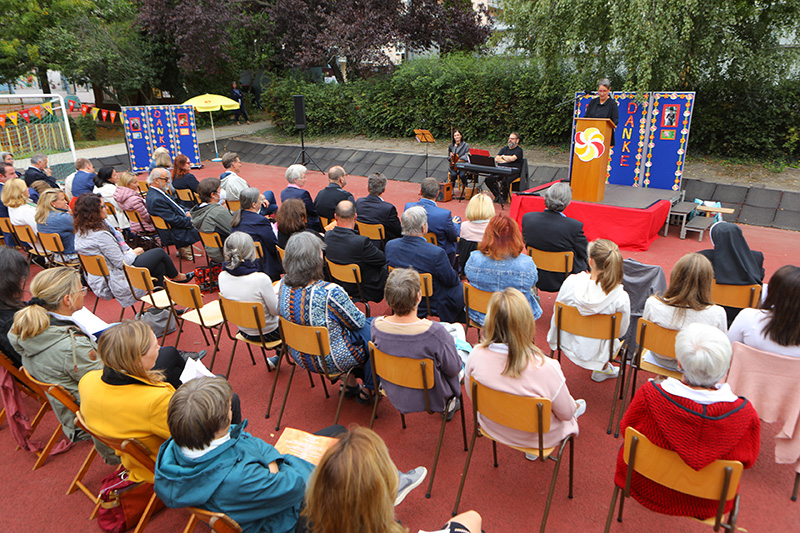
(41, 73)
(98, 95)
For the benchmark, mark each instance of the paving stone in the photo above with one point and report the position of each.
(359, 169)
(405, 173)
(733, 217)
(790, 201)
(418, 177)
(356, 156)
(384, 159)
(562, 173)
(267, 149)
(698, 189)
(416, 161)
(756, 216)
(763, 197)
(542, 174)
(399, 161)
(370, 157)
(785, 219)
(732, 194)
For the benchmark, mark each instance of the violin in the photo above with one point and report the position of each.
(453, 160)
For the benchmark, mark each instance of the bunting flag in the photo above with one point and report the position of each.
(38, 112)
(13, 117)
(113, 115)
(26, 115)
(3, 121)
(84, 109)
(104, 113)
(95, 111)
(48, 106)
(72, 105)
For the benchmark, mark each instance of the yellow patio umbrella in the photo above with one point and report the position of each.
(212, 102)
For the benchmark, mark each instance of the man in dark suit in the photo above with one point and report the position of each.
(296, 176)
(440, 221)
(159, 203)
(413, 251)
(328, 198)
(552, 231)
(372, 209)
(344, 246)
(39, 171)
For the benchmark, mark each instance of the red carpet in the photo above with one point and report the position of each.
(510, 497)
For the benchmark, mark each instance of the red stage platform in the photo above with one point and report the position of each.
(632, 229)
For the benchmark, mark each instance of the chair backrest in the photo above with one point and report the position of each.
(139, 278)
(133, 216)
(656, 338)
(23, 378)
(26, 234)
(94, 264)
(56, 391)
(325, 221)
(740, 296)
(211, 240)
(350, 273)
(312, 340)
(476, 299)
(569, 319)
(259, 250)
(375, 232)
(404, 371)
(552, 261)
(431, 238)
(143, 186)
(233, 205)
(187, 195)
(51, 242)
(426, 284)
(159, 222)
(666, 468)
(510, 410)
(132, 447)
(184, 294)
(219, 522)
(243, 314)
(280, 252)
(5, 225)
(111, 210)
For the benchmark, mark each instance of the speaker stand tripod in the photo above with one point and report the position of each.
(303, 156)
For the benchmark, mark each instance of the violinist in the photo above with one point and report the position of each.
(457, 152)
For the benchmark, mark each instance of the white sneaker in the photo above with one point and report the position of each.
(408, 482)
(610, 372)
(581, 407)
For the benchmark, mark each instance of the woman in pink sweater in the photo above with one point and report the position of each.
(507, 360)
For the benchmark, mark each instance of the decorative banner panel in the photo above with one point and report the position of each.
(651, 138)
(149, 127)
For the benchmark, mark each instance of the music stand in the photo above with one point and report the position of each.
(426, 137)
(303, 154)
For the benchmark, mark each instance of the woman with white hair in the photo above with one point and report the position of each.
(697, 417)
(296, 177)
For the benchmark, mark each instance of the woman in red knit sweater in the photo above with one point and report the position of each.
(696, 417)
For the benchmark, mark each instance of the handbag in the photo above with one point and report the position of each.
(145, 242)
(122, 501)
(159, 320)
(207, 278)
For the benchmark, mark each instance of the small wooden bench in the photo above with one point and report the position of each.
(700, 224)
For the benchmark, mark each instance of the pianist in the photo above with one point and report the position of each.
(509, 156)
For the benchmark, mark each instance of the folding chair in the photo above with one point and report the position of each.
(219, 522)
(246, 315)
(259, 250)
(559, 262)
(163, 225)
(7, 227)
(415, 374)
(350, 273)
(134, 216)
(143, 187)
(25, 233)
(717, 481)
(112, 210)
(139, 278)
(477, 300)
(32, 389)
(281, 252)
(315, 342)
(523, 414)
(431, 238)
(654, 338)
(187, 195)
(140, 453)
(425, 286)
(65, 397)
(739, 296)
(207, 316)
(96, 265)
(374, 232)
(233, 205)
(210, 240)
(51, 242)
(325, 222)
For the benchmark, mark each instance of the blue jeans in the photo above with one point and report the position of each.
(366, 336)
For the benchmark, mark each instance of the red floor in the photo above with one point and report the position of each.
(510, 498)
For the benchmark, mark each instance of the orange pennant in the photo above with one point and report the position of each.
(113, 115)
(38, 112)
(13, 117)
(84, 109)
(3, 121)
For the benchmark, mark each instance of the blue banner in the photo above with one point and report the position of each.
(150, 127)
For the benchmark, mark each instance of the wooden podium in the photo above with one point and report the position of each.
(590, 158)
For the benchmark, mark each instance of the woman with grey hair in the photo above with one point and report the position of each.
(308, 300)
(242, 280)
(296, 176)
(698, 418)
(248, 220)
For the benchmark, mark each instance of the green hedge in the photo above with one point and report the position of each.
(486, 98)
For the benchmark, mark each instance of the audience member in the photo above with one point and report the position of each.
(480, 210)
(372, 209)
(328, 198)
(775, 326)
(552, 231)
(182, 178)
(697, 417)
(39, 171)
(296, 177)
(404, 335)
(507, 360)
(93, 236)
(686, 301)
(8, 158)
(83, 182)
(241, 280)
(210, 463)
(21, 212)
(500, 261)
(105, 184)
(6, 173)
(36, 188)
(210, 217)
(345, 246)
(233, 184)
(307, 300)
(291, 219)
(441, 221)
(159, 203)
(248, 220)
(161, 159)
(14, 272)
(53, 216)
(413, 251)
(128, 199)
(598, 293)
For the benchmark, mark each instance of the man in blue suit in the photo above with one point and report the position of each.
(83, 182)
(440, 221)
(296, 176)
(161, 204)
(413, 251)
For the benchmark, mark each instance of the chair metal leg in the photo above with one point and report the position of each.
(203, 331)
(463, 426)
(325, 385)
(438, 449)
(403, 420)
(250, 351)
(274, 383)
(466, 468)
(216, 343)
(230, 362)
(310, 377)
(494, 453)
(553, 485)
(341, 397)
(375, 400)
(285, 396)
(796, 486)
(611, 509)
(97, 299)
(619, 390)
